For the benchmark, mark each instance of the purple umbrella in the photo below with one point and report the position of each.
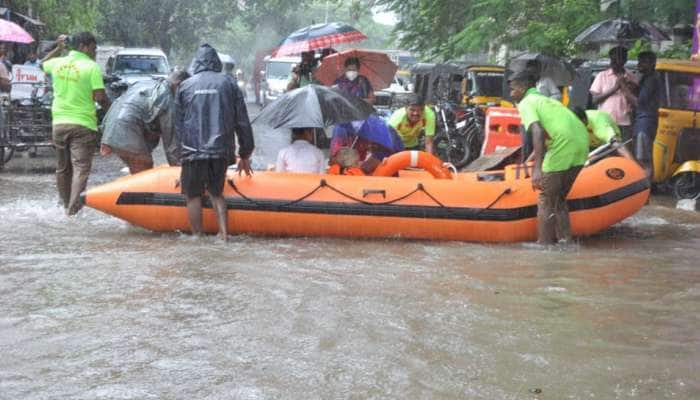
(11, 32)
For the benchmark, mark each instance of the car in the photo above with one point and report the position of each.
(275, 76)
(137, 64)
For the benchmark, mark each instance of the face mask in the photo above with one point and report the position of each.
(351, 75)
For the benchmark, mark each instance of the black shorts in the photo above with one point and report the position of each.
(198, 175)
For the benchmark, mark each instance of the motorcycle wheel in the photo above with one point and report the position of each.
(455, 151)
(686, 186)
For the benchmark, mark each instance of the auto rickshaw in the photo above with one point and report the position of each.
(676, 151)
(438, 82)
(483, 85)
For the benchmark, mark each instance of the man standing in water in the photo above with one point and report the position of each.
(209, 111)
(561, 147)
(139, 119)
(77, 85)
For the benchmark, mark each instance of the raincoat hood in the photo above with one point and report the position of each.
(206, 59)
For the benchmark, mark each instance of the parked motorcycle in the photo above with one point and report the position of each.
(460, 134)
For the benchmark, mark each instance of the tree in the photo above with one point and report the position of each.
(450, 28)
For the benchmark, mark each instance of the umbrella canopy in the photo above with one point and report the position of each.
(376, 130)
(313, 106)
(561, 72)
(620, 30)
(318, 36)
(375, 65)
(11, 32)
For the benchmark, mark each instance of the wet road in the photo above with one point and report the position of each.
(92, 308)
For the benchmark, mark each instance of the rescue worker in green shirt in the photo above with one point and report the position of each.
(77, 85)
(602, 130)
(560, 142)
(411, 120)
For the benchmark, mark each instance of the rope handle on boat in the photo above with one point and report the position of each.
(302, 198)
(323, 183)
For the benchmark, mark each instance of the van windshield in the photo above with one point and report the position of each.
(278, 70)
(140, 64)
(681, 91)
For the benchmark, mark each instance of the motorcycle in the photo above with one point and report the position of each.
(460, 134)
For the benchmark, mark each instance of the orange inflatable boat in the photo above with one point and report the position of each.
(491, 206)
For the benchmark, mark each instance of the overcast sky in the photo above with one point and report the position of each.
(382, 17)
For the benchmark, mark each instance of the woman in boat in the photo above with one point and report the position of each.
(353, 83)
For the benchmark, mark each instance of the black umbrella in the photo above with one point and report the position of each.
(561, 72)
(314, 106)
(620, 30)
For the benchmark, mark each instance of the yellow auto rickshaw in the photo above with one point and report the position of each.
(482, 85)
(676, 151)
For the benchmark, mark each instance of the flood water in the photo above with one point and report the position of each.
(92, 308)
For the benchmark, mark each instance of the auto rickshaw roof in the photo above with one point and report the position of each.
(692, 67)
(431, 68)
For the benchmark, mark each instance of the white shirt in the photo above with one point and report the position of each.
(301, 156)
(547, 87)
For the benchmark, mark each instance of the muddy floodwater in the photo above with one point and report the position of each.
(93, 308)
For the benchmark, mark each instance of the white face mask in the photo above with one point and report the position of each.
(351, 75)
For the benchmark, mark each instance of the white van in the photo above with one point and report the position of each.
(137, 64)
(276, 77)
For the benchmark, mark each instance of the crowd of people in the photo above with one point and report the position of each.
(199, 117)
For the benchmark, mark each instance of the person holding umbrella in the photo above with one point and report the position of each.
(612, 91)
(373, 139)
(353, 83)
(301, 156)
(303, 74)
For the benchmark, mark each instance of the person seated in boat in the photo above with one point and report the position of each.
(353, 83)
(140, 119)
(602, 130)
(301, 156)
(412, 120)
(346, 162)
(355, 135)
(560, 142)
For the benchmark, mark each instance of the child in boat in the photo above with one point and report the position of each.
(346, 162)
(301, 156)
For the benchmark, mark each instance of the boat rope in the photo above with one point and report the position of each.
(302, 198)
(323, 183)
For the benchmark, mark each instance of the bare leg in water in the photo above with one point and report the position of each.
(219, 204)
(194, 213)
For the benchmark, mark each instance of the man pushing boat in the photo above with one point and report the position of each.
(139, 119)
(560, 150)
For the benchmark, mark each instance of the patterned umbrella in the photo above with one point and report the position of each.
(11, 32)
(318, 36)
(375, 65)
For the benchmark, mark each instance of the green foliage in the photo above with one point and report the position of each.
(450, 28)
(639, 46)
(678, 51)
(60, 16)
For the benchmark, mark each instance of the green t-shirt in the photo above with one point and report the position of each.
(74, 77)
(567, 138)
(601, 128)
(409, 133)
